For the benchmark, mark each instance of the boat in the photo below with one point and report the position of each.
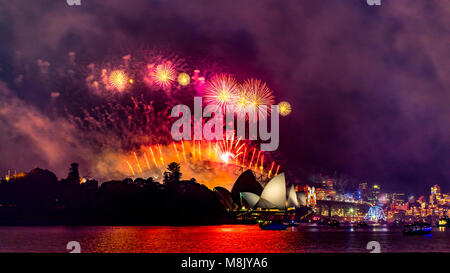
(362, 224)
(334, 223)
(417, 229)
(443, 222)
(290, 223)
(272, 226)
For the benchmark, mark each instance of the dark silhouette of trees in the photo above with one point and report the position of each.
(173, 174)
(38, 198)
(37, 190)
(74, 175)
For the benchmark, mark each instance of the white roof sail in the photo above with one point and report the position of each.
(292, 198)
(264, 204)
(275, 191)
(301, 197)
(250, 198)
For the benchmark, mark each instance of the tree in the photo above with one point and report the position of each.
(74, 175)
(173, 174)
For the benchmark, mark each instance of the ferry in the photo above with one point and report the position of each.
(362, 224)
(334, 223)
(291, 224)
(269, 225)
(443, 222)
(417, 229)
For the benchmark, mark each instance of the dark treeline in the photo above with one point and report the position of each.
(38, 198)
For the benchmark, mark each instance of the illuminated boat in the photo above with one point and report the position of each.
(443, 222)
(291, 223)
(417, 229)
(334, 223)
(362, 224)
(268, 225)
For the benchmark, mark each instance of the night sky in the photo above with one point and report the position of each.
(369, 86)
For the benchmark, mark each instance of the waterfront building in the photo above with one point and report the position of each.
(363, 191)
(374, 194)
(273, 196)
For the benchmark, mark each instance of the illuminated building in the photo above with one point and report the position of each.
(292, 198)
(246, 182)
(375, 213)
(348, 197)
(446, 198)
(273, 196)
(320, 194)
(225, 198)
(328, 184)
(301, 197)
(311, 199)
(9, 177)
(398, 198)
(435, 195)
(374, 194)
(362, 191)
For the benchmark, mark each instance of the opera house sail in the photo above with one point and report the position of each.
(292, 198)
(246, 182)
(273, 195)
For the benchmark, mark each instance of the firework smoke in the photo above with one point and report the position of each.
(122, 129)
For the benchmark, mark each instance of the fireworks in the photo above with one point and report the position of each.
(221, 91)
(164, 74)
(254, 95)
(183, 79)
(118, 125)
(118, 79)
(226, 156)
(229, 149)
(242, 105)
(284, 108)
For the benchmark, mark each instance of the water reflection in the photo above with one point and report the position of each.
(231, 238)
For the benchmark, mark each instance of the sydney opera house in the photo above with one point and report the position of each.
(249, 195)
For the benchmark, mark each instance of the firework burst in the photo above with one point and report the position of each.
(221, 91)
(163, 74)
(242, 104)
(183, 79)
(228, 150)
(284, 108)
(118, 79)
(254, 94)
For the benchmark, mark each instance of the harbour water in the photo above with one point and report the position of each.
(226, 238)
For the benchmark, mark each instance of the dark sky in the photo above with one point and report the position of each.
(369, 86)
